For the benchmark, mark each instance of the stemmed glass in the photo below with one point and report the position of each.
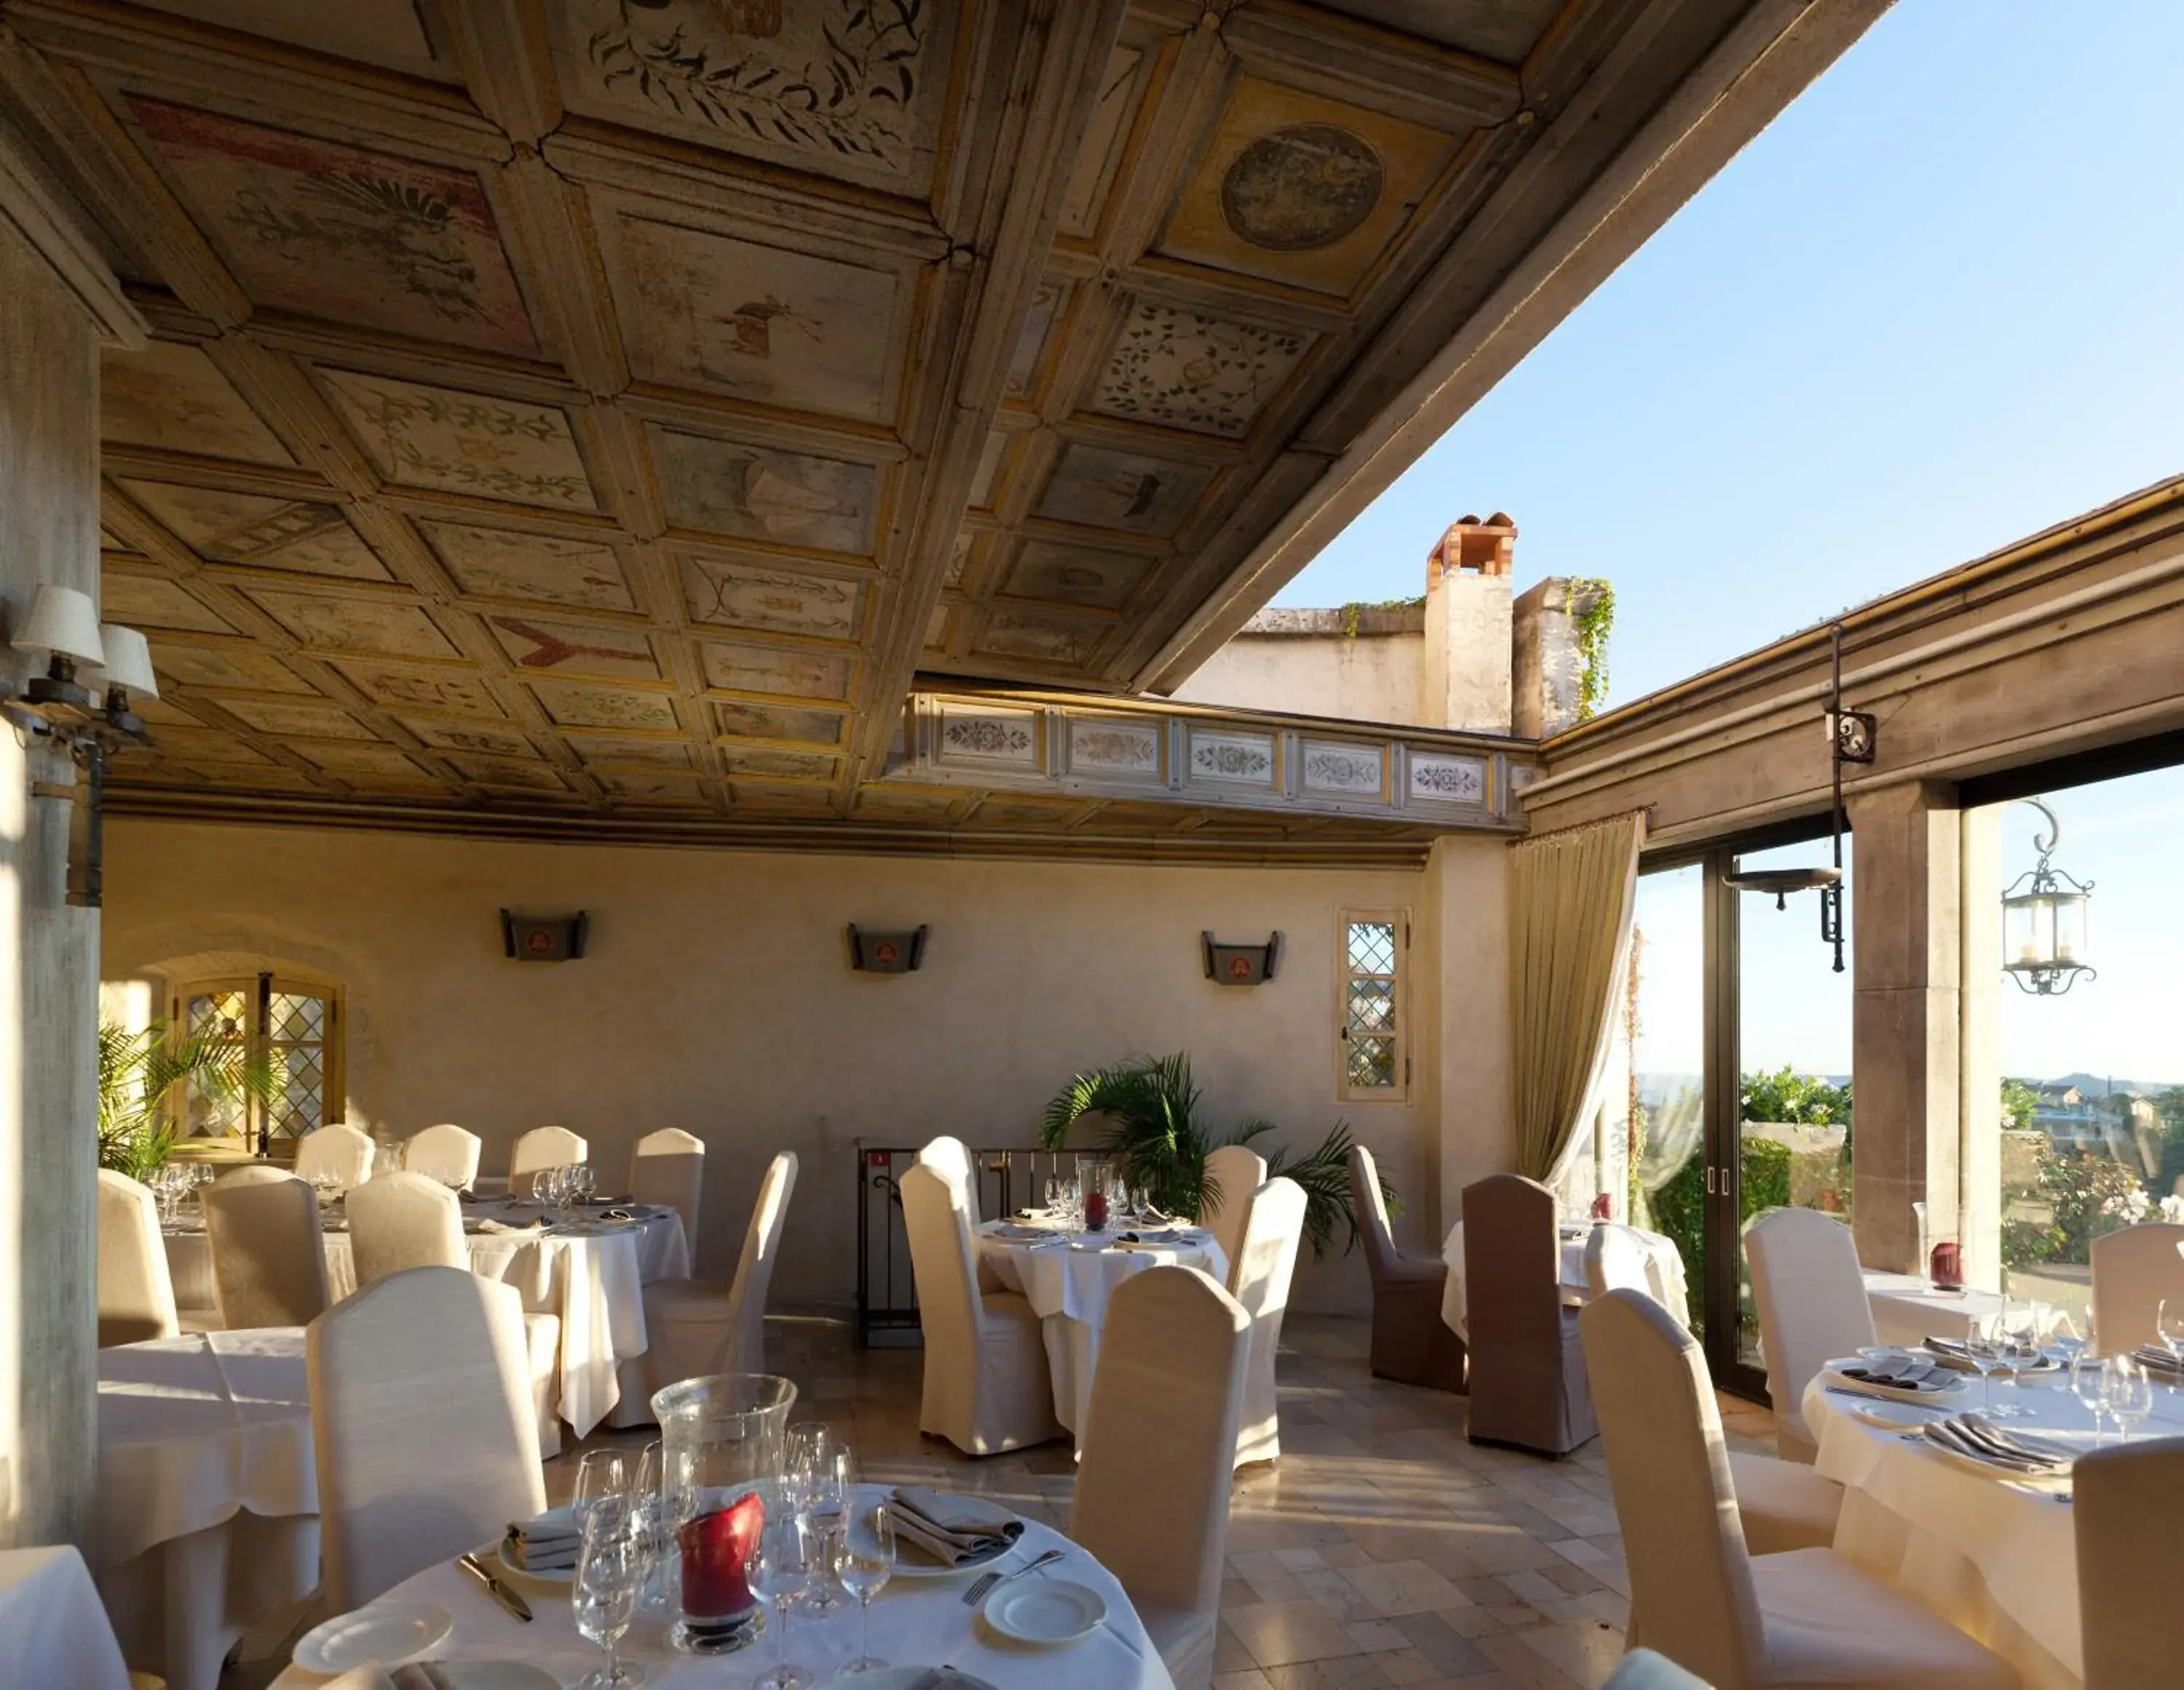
(1983, 1348)
(603, 1600)
(829, 1490)
(2089, 1384)
(2128, 1394)
(778, 1572)
(603, 1483)
(2169, 1321)
(583, 1180)
(866, 1561)
(168, 1182)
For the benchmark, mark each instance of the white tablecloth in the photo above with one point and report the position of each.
(207, 1498)
(1068, 1288)
(920, 1622)
(53, 1632)
(1908, 1310)
(1998, 1561)
(589, 1273)
(1665, 1275)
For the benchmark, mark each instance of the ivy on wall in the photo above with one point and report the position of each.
(1353, 612)
(1593, 620)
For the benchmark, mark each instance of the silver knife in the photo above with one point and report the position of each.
(495, 1588)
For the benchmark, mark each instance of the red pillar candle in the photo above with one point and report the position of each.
(716, 1547)
(1095, 1211)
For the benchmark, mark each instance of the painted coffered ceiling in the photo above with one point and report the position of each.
(614, 407)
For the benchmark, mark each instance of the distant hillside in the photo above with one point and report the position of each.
(2099, 1085)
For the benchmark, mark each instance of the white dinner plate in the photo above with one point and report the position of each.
(1929, 1390)
(496, 1674)
(520, 1576)
(1041, 1610)
(1887, 1416)
(387, 1634)
(912, 1562)
(905, 1678)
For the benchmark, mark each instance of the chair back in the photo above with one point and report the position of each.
(404, 1220)
(1691, 1595)
(754, 1267)
(422, 1418)
(136, 1292)
(2135, 1271)
(543, 1148)
(1812, 1303)
(1615, 1260)
(1259, 1281)
(1643, 1670)
(1381, 1256)
(2128, 1500)
(336, 1148)
(1511, 1264)
(446, 1152)
(1160, 1437)
(269, 1256)
(951, 1159)
(668, 1168)
(1233, 1173)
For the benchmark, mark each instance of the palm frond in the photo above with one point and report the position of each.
(136, 1070)
(1325, 1174)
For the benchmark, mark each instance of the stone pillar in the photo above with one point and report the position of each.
(1907, 952)
(1979, 1063)
(1464, 674)
(57, 303)
(1546, 667)
(1461, 1009)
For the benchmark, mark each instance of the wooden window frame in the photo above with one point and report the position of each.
(259, 988)
(1397, 916)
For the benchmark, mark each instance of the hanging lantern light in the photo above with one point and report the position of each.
(2043, 920)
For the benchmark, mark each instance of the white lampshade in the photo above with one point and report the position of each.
(128, 663)
(62, 621)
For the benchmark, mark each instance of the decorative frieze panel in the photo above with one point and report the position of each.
(1237, 760)
(1343, 770)
(985, 737)
(1437, 779)
(1118, 749)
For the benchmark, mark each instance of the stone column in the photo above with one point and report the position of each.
(1463, 675)
(57, 304)
(1461, 1012)
(1906, 954)
(1979, 1064)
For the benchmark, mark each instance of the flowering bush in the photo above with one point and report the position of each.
(2089, 1195)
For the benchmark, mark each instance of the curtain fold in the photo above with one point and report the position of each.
(1571, 897)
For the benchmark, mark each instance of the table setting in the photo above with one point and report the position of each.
(744, 1548)
(1067, 1256)
(1956, 1455)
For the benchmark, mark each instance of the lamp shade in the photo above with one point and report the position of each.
(62, 621)
(128, 663)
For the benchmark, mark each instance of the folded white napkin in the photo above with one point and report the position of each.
(1016, 1234)
(950, 1529)
(534, 1224)
(549, 1543)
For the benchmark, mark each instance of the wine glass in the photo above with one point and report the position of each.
(2001, 1330)
(583, 1180)
(2089, 1385)
(864, 1563)
(2128, 1394)
(1053, 1194)
(1983, 1350)
(603, 1598)
(778, 1572)
(603, 1483)
(2169, 1321)
(829, 1490)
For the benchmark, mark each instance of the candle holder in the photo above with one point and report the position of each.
(721, 1449)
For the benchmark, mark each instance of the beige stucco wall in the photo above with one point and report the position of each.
(1365, 677)
(715, 996)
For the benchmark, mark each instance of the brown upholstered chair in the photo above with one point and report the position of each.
(1528, 1384)
(1411, 1344)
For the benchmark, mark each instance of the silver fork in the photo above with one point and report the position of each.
(985, 1581)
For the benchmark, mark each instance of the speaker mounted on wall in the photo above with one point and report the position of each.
(1240, 965)
(895, 952)
(552, 938)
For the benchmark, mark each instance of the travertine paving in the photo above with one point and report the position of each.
(1383, 1549)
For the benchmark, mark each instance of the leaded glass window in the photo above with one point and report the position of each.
(289, 1027)
(1373, 1025)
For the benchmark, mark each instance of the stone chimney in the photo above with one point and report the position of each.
(1546, 666)
(1464, 676)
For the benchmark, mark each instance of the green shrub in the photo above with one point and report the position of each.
(1678, 1206)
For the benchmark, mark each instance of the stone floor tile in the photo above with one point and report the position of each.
(1403, 1587)
(1377, 1637)
(1447, 1649)
(1526, 1665)
(1250, 1678)
(1283, 1633)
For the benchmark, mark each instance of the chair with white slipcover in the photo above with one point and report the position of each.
(539, 1149)
(336, 1148)
(421, 1420)
(1786, 1505)
(668, 1168)
(136, 1292)
(1233, 1173)
(2135, 1270)
(269, 1255)
(951, 1159)
(448, 1152)
(2129, 1499)
(1643, 1670)
(986, 1384)
(403, 1221)
(1812, 1307)
(1153, 1474)
(1698, 1595)
(1259, 1279)
(695, 1328)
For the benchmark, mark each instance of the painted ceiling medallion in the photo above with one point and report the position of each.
(1301, 187)
(1191, 370)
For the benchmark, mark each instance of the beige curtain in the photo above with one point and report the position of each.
(1570, 900)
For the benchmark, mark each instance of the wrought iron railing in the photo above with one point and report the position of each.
(886, 1291)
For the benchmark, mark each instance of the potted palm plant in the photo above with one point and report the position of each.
(1154, 1130)
(138, 1070)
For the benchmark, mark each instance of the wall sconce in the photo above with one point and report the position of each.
(553, 938)
(2043, 920)
(874, 952)
(1240, 965)
(90, 718)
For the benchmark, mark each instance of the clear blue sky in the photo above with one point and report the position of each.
(1935, 308)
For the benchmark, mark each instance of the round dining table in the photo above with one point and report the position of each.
(587, 1271)
(1995, 1556)
(207, 1511)
(916, 1621)
(1068, 1276)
